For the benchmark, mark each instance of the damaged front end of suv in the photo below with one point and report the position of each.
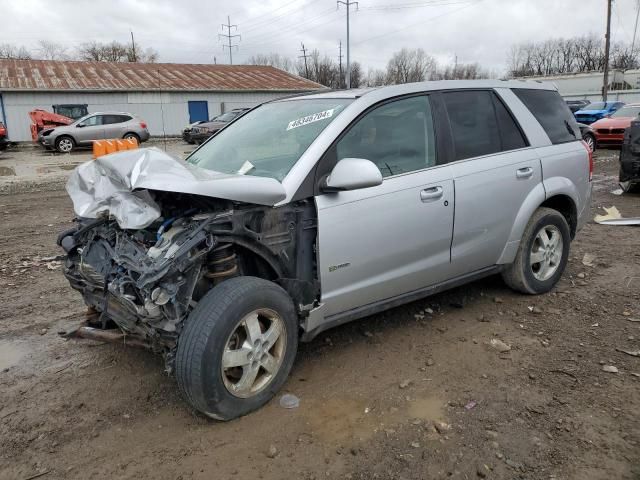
(143, 257)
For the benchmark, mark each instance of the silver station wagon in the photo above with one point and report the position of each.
(311, 211)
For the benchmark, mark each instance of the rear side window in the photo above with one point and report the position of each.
(510, 133)
(473, 123)
(552, 113)
(110, 119)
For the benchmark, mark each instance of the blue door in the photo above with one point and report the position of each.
(198, 111)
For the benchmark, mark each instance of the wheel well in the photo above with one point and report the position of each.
(65, 135)
(255, 265)
(132, 133)
(567, 208)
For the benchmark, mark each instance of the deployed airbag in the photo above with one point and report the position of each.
(118, 184)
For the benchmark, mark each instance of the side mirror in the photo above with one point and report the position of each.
(352, 174)
(80, 125)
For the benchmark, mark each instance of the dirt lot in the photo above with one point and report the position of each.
(402, 395)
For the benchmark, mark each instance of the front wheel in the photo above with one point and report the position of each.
(65, 144)
(542, 255)
(237, 347)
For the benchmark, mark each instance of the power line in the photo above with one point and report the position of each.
(348, 4)
(228, 36)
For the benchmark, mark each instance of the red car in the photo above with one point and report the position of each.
(610, 130)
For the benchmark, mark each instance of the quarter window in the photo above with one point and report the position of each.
(552, 113)
(398, 137)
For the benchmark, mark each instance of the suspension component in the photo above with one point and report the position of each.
(222, 263)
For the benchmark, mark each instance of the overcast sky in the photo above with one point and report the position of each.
(187, 31)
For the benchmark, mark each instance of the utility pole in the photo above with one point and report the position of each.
(348, 4)
(228, 36)
(304, 55)
(340, 62)
(635, 30)
(607, 44)
(133, 48)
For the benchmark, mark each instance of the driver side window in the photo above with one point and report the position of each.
(397, 136)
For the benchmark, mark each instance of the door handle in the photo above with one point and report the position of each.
(431, 194)
(525, 172)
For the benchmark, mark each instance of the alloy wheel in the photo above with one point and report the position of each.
(546, 252)
(253, 353)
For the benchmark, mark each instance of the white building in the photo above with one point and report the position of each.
(166, 96)
(624, 86)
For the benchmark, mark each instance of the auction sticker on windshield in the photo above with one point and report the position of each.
(316, 117)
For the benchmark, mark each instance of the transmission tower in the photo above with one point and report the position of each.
(229, 38)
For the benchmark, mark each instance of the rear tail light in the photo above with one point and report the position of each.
(590, 159)
(143, 125)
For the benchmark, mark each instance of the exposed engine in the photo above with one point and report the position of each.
(147, 281)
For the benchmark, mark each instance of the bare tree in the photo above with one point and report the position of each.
(410, 66)
(273, 60)
(115, 52)
(376, 77)
(461, 71)
(11, 51)
(49, 50)
(356, 75)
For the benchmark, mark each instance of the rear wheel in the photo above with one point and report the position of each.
(65, 144)
(542, 254)
(237, 347)
(132, 136)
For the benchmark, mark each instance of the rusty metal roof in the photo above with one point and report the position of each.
(48, 75)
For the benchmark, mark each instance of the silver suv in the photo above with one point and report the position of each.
(95, 126)
(313, 211)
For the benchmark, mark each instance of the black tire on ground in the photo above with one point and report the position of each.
(520, 274)
(65, 144)
(203, 340)
(630, 187)
(130, 135)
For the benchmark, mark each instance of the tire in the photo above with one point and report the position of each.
(65, 144)
(218, 322)
(532, 278)
(590, 141)
(630, 187)
(130, 135)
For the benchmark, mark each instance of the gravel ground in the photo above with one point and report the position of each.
(414, 393)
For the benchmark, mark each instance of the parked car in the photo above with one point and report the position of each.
(201, 132)
(186, 131)
(575, 105)
(4, 142)
(309, 212)
(588, 135)
(629, 175)
(610, 130)
(95, 126)
(596, 111)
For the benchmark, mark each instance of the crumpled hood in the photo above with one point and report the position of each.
(117, 184)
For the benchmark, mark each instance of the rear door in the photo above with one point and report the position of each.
(115, 125)
(494, 171)
(381, 242)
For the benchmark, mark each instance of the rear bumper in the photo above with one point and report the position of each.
(4, 143)
(144, 136)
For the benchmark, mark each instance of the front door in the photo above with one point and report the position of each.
(198, 111)
(380, 242)
(91, 129)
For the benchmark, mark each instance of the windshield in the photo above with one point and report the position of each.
(227, 117)
(269, 140)
(627, 112)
